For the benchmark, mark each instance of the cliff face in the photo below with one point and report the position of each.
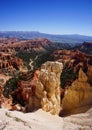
(44, 89)
(78, 95)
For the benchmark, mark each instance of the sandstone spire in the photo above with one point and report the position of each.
(49, 82)
(78, 95)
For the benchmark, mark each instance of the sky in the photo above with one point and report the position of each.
(48, 16)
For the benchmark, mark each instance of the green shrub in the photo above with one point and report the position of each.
(67, 75)
(42, 57)
(10, 86)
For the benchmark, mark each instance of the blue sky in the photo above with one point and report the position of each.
(49, 16)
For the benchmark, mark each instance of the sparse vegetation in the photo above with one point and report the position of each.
(67, 76)
(7, 114)
(37, 62)
(10, 86)
(15, 118)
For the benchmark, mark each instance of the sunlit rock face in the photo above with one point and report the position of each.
(47, 88)
(78, 95)
(89, 74)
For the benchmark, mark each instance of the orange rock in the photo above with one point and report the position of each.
(43, 91)
(78, 95)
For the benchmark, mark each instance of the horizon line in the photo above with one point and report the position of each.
(46, 32)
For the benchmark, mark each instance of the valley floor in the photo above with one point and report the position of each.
(41, 120)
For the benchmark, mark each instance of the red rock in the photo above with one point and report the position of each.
(27, 45)
(9, 61)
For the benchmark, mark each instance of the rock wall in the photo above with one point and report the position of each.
(78, 95)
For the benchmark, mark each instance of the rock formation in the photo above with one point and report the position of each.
(43, 91)
(9, 61)
(89, 74)
(27, 45)
(75, 58)
(8, 40)
(50, 78)
(47, 91)
(5, 102)
(72, 61)
(78, 95)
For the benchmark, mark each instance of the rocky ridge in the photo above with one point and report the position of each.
(75, 58)
(27, 45)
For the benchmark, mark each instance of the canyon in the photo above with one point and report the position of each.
(58, 85)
